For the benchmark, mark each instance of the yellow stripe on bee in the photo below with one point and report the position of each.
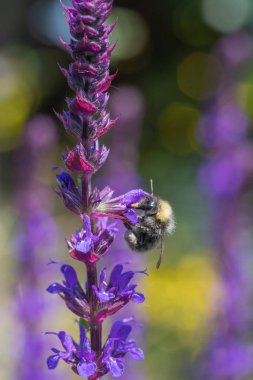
(165, 212)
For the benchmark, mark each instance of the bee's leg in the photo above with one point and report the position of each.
(162, 250)
(135, 237)
(131, 239)
(128, 225)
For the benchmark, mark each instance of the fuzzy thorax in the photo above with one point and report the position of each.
(165, 215)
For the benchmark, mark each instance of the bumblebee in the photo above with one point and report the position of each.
(155, 219)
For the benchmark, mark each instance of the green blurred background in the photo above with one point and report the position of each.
(164, 50)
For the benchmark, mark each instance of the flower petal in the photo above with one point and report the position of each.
(66, 341)
(137, 353)
(53, 361)
(133, 196)
(86, 369)
(116, 366)
(131, 216)
(56, 288)
(125, 278)
(102, 277)
(103, 296)
(70, 275)
(115, 275)
(138, 298)
(120, 330)
(83, 246)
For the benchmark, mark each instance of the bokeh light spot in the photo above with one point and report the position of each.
(189, 26)
(131, 33)
(20, 91)
(226, 15)
(245, 97)
(198, 75)
(47, 21)
(177, 126)
(187, 295)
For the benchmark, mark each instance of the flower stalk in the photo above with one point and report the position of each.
(87, 119)
(95, 325)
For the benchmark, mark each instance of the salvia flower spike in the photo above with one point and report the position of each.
(86, 119)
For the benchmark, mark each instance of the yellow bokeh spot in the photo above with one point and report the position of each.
(198, 75)
(245, 97)
(19, 93)
(177, 126)
(130, 24)
(183, 298)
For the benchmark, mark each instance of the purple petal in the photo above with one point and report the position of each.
(133, 196)
(66, 341)
(125, 278)
(53, 361)
(138, 298)
(67, 183)
(106, 193)
(82, 334)
(137, 353)
(115, 275)
(72, 123)
(103, 296)
(108, 349)
(116, 366)
(87, 226)
(102, 277)
(86, 369)
(120, 330)
(70, 275)
(131, 216)
(56, 288)
(68, 191)
(83, 246)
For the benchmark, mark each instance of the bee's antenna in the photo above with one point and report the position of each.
(151, 186)
(162, 249)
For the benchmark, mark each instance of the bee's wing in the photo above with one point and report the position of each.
(162, 249)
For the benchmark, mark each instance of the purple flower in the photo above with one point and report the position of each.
(226, 177)
(117, 346)
(101, 202)
(69, 192)
(227, 358)
(87, 247)
(117, 292)
(120, 207)
(71, 292)
(79, 356)
(112, 296)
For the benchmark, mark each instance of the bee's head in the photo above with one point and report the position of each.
(148, 204)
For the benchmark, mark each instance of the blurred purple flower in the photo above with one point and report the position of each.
(225, 177)
(36, 234)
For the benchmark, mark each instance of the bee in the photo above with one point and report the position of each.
(155, 220)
